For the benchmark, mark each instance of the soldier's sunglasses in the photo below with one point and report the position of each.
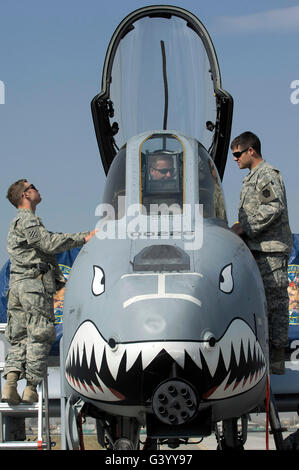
(31, 186)
(238, 154)
(164, 171)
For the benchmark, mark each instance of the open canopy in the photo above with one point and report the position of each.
(161, 72)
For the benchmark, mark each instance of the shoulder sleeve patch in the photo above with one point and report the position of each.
(32, 230)
(267, 193)
(32, 234)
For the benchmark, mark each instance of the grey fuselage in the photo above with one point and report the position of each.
(172, 304)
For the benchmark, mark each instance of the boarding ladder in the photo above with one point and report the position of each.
(24, 410)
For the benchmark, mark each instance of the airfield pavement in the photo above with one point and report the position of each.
(255, 441)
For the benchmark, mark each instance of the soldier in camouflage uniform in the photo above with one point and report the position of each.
(34, 277)
(264, 225)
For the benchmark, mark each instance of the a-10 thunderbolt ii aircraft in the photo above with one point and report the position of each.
(165, 323)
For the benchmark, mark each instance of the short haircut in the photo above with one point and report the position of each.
(160, 156)
(247, 139)
(15, 191)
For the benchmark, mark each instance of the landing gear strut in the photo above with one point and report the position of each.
(231, 437)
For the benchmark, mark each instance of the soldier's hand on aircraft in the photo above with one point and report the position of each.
(237, 229)
(90, 235)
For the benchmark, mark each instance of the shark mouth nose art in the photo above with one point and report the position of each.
(222, 368)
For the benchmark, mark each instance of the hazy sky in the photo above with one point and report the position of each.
(51, 58)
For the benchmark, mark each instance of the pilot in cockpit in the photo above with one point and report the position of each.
(162, 179)
(161, 167)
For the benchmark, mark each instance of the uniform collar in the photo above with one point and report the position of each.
(20, 211)
(255, 169)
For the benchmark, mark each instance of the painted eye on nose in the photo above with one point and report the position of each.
(98, 282)
(226, 282)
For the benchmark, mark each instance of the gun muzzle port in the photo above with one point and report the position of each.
(172, 390)
(162, 398)
(162, 411)
(172, 419)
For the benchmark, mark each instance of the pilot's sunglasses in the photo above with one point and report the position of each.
(164, 171)
(31, 186)
(238, 154)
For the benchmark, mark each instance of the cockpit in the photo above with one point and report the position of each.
(161, 89)
(162, 173)
(162, 182)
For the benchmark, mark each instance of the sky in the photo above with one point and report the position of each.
(51, 59)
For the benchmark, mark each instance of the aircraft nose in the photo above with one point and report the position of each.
(158, 306)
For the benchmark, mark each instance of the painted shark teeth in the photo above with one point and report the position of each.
(238, 349)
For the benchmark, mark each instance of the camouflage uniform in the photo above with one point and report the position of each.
(34, 275)
(263, 215)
